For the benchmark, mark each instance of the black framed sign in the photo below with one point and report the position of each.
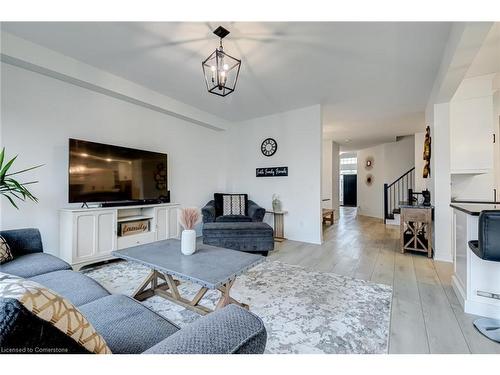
(271, 172)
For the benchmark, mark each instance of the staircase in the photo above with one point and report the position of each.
(395, 193)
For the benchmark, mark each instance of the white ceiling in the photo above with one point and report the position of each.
(372, 79)
(487, 60)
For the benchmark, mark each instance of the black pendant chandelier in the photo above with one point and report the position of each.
(221, 70)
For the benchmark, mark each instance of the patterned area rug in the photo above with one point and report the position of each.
(303, 311)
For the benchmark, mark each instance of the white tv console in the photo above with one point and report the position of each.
(89, 235)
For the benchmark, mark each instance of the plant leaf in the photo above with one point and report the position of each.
(2, 155)
(24, 170)
(11, 201)
(6, 168)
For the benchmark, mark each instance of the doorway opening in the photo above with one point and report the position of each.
(348, 179)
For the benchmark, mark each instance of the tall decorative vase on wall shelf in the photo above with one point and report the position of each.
(188, 218)
(188, 241)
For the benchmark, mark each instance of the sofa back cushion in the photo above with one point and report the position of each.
(230, 204)
(23, 241)
(5, 253)
(40, 306)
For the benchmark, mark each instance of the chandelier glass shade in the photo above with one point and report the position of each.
(221, 70)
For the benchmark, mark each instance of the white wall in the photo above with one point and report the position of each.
(442, 193)
(391, 160)
(40, 113)
(420, 182)
(298, 134)
(335, 178)
(399, 158)
(371, 198)
(330, 175)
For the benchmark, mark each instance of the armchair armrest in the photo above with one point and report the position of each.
(208, 212)
(231, 330)
(255, 211)
(23, 241)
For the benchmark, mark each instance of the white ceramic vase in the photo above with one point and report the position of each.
(188, 241)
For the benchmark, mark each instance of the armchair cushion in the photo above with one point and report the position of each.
(233, 219)
(226, 331)
(255, 211)
(208, 212)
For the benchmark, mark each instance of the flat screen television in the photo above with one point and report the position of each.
(105, 173)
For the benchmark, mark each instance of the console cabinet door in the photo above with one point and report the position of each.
(106, 232)
(95, 234)
(161, 223)
(85, 230)
(173, 223)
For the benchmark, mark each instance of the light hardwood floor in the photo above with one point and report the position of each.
(426, 316)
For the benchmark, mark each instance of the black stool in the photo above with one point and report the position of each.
(488, 248)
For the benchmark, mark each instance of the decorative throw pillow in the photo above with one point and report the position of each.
(51, 307)
(230, 204)
(5, 253)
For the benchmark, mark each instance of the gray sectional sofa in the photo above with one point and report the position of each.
(126, 325)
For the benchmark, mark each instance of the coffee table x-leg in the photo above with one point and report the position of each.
(164, 285)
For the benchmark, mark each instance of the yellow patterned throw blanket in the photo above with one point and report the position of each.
(51, 307)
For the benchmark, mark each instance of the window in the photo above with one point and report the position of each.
(349, 161)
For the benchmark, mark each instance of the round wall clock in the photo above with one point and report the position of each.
(269, 147)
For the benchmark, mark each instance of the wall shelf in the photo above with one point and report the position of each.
(469, 171)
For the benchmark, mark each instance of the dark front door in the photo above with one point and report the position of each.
(350, 190)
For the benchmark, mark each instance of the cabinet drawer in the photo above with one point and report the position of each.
(135, 240)
(420, 215)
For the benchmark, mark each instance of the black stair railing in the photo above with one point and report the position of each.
(396, 192)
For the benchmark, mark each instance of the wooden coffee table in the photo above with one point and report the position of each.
(210, 267)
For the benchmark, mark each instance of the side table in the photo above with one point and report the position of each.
(278, 224)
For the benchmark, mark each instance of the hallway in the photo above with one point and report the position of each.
(426, 315)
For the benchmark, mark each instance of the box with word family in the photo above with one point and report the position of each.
(133, 227)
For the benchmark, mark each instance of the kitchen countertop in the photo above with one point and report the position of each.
(475, 208)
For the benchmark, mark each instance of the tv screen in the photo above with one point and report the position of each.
(105, 173)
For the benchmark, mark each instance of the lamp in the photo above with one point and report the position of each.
(221, 70)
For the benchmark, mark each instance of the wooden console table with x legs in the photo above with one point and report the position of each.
(416, 229)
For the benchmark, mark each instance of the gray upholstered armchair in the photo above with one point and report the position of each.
(255, 213)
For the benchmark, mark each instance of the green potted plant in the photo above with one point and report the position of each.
(9, 186)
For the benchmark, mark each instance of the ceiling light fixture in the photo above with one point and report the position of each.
(221, 71)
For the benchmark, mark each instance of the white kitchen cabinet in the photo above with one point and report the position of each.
(471, 135)
(90, 235)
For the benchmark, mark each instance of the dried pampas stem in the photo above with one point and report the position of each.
(189, 217)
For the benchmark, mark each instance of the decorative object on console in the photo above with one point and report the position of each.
(271, 172)
(128, 228)
(369, 179)
(188, 218)
(276, 203)
(269, 147)
(221, 71)
(369, 163)
(427, 153)
(11, 188)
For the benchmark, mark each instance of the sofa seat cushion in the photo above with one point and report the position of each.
(233, 219)
(74, 286)
(250, 229)
(128, 326)
(30, 265)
